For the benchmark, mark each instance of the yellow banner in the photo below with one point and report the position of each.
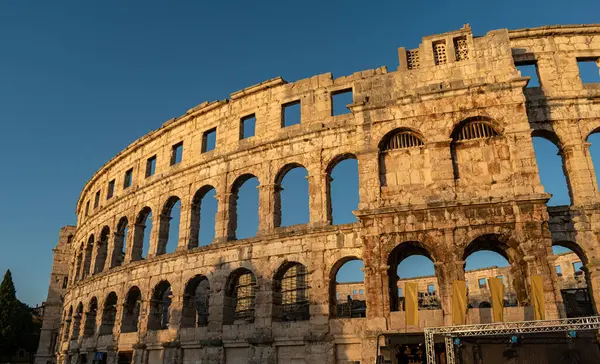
(459, 303)
(497, 291)
(411, 303)
(537, 297)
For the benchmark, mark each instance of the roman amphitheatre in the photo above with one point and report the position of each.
(446, 168)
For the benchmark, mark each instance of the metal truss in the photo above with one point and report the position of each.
(503, 328)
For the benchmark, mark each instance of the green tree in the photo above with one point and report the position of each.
(9, 313)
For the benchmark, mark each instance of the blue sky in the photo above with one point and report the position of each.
(80, 80)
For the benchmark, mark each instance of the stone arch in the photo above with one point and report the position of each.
(196, 299)
(131, 310)
(233, 198)
(395, 257)
(139, 233)
(279, 204)
(549, 135)
(240, 296)
(109, 314)
(164, 226)
(195, 215)
(89, 248)
(399, 138)
(102, 250)
(509, 249)
(328, 185)
(77, 321)
(352, 308)
(78, 262)
(89, 328)
(290, 292)
(160, 306)
(120, 243)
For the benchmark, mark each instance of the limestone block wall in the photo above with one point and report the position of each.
(467, 181)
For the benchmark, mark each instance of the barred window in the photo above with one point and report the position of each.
(401, 140)
(412, 59)
(245, 296)
(475, 130)
(439, 52)
(293, 289)
(461, 49)
(195, 303)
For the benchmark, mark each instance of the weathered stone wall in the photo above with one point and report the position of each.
(445, 198)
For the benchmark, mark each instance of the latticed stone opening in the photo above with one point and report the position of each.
(439, 52)
(291, 294)
(461, 49)
(245, 296)
(401, 140)
(412, 59)
(160, 305)
(195, 303)
(475, 130)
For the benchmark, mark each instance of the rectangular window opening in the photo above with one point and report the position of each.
(97, 199)
(354, 292)
(482, 283)
(589, 69)
(400, 292)
(110, 191)
(247, 126)
(430, 288)
(291, 114)
(150, 166)
(577, 266)
(559, 271)
(529, 69)
(87, 208)
(128, 178)
(209, 140)
(176, 153)
(340, 101)
(461, 49)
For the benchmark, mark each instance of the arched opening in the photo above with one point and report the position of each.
(290, 293)
(77, 321)
(109, 314)
(78, 264)
(141, 234)
(160, 305)
(131, 310)
(89, 328)
(342, 190)
(411, 262)
(89, 248)
(551, 167)
(400, 150)
(120, 247)
(203, 217)
(594, 150)
(195, 302)
(68, 318)
(240, 296)
(244, 199)
(168, 228)
(476, 133)
(102, 250)
(573, 279)
(490, 256)
(347, 298)
(291, 196)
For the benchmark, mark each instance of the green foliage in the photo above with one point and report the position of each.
(18, 330)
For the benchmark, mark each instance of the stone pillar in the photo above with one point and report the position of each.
(376, 288)
(592, 273)
(317, 199)
(222, 217)
(446, 273)
(442, 174)
(184, 226)
(269, 208)
(368, 181)
(175, 312)
(580, 173)
(535, 266)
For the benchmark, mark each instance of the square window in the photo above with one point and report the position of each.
(559, 270)
(529, 69)
(209, 140)
(340, 101)
(97, 199)
(87, 208)
(482, 283)
(589, 70)
(361, 291)
(290, 114)
(577, 266)
(430, 288)
(128, 178)
(400, 292)
(353, 292)
(110, 190)
(150, 166)
(247, 126)
(176, 153)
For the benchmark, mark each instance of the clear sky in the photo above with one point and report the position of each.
(80, 80)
